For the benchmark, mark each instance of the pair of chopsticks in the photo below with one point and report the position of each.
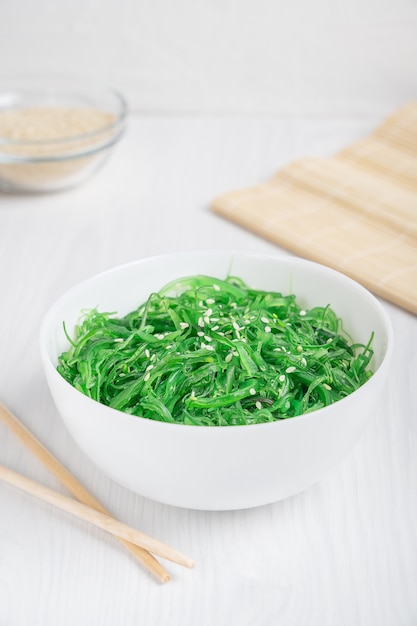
(85, 506)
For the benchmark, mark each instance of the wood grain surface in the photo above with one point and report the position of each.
(341, 553)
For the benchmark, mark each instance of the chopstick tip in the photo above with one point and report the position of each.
(165, 578)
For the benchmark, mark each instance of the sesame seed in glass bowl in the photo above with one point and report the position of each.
(56, 131)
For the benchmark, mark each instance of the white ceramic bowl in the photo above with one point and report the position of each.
(218, 468)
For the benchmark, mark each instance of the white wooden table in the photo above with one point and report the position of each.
(342, 553)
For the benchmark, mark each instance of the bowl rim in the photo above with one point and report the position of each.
(87, 84)
(382, 369)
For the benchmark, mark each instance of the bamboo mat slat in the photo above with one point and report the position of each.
(355, 212)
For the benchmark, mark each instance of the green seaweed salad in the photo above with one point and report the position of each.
(210, 352)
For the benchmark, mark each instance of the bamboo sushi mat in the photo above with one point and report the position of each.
(355, 212)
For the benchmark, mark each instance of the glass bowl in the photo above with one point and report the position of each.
(56, 131)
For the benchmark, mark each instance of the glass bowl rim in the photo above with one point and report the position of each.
(115, 127)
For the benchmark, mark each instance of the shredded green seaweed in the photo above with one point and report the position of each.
(210, 352)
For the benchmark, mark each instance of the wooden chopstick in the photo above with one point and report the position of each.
(76, 488)
(93, 516)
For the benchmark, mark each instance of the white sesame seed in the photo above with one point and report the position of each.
(184, 325)
(200, 333)
(235, 353)
(303, 362)
(216, 287)
(206, 347)
(210, 301)
(207, 338)
(252, 391)
(200, 321)
(299, 348)
(214, 319)
(258, 405)
(233, 305)
(153, 357)
(168, 347)
(118, 340)
(147, 353)
(326, 386)
(302, 312)
(209, 312)
(265, 320)
(290, 369)
(159, 335)
(228, 357)
(206, 319)
(267, 329)
(277, 349)
(214, 328)
(150, 367)
(146, 377)
(281, 378)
